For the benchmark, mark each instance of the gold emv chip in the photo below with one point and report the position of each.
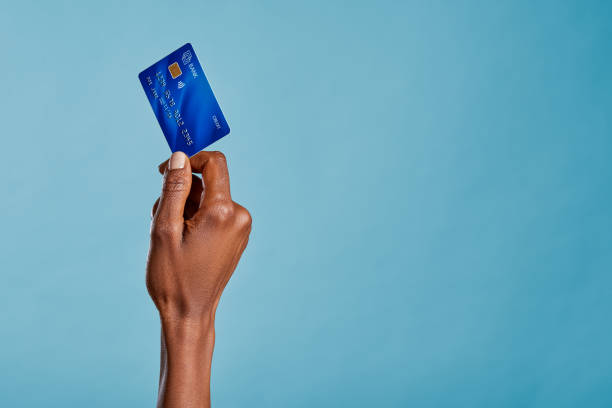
(175, 70)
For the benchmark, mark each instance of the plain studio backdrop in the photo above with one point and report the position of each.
(430, 184)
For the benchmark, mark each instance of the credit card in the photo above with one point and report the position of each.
(183, 102)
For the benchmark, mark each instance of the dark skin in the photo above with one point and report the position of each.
(197, 237)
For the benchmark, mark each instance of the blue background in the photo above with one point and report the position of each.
(429, 181)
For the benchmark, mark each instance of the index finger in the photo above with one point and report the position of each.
(213, 167)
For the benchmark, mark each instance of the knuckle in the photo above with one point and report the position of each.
(164, 230)
(174, 183)
(243, 217)
(218, 157)
(221, 212)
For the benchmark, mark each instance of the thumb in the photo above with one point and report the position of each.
(175, 190)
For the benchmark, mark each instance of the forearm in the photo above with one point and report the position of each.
(186, 357)
(197, 236)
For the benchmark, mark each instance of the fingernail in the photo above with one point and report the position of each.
(177, 161)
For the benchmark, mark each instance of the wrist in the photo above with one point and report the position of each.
(185, 314)
(186, 359)
(183, 332)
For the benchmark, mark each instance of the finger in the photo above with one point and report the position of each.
(162, 167)
(193, 200)
(197, 189)
(154, 209)
(195, 196)
(213, 167)
(176, 188)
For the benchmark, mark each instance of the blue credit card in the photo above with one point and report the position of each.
(183, 102)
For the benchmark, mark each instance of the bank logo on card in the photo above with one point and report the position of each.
(186, 57)
(185, 106)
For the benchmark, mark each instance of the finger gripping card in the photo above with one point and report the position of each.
(183, 102)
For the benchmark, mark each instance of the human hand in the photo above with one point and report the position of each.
(197, 237)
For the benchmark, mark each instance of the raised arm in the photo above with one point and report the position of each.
(197, 237)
